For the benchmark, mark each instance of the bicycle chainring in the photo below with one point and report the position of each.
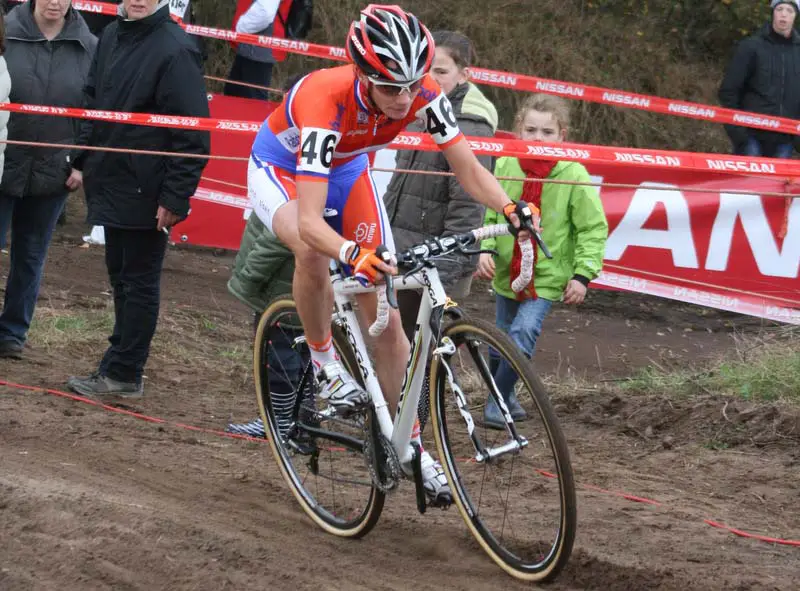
(381, 459)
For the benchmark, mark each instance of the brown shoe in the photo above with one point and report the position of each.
(97, 386)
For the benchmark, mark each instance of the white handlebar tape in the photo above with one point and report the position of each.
(491, 231)
(525, 267)
(526, 247)
(382, 320)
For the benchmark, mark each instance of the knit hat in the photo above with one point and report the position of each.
(795, 3)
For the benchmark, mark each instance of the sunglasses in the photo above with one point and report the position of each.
(394, 89)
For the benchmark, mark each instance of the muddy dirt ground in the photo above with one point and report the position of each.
(91, 499)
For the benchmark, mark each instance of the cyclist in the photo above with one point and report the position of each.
(308, 181)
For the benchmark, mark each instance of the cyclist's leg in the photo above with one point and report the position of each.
(363, 219)
(274, 198)
(273, 194)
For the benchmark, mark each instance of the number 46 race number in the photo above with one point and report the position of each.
(316, 149)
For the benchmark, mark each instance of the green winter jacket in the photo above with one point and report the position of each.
(263, 268)
(574, 228)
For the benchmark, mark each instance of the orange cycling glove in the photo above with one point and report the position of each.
(525, 212)
(364, 262)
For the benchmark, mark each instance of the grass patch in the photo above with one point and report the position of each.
(61, 328)
(187, 336)
(766, 371)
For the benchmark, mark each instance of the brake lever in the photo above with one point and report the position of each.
(538, 237)
(415, 269)
(386, 256)
(468, 252)
(391, 296)
(542, 245)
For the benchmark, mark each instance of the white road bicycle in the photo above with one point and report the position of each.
(513, 487)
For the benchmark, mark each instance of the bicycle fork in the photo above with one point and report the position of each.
(516, 442)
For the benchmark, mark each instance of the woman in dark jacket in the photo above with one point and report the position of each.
(48, 50)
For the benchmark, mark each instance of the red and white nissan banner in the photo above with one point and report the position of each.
(584, 92)
(713, 248)
(497, 146)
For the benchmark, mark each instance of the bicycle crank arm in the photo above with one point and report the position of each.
(513, 446)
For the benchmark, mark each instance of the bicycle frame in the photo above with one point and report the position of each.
(429, 320)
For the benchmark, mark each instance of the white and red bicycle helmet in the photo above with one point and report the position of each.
(389, 44)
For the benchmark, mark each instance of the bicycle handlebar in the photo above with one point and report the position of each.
(415, 258)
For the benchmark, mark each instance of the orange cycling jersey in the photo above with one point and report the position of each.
(324, 122)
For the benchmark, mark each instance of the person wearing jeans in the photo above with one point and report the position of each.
(49, 51)
(753, 147)
(252, 64)
(144, 63)
(764, 77)
(574, 228)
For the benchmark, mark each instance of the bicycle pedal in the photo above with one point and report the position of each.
(443, 502)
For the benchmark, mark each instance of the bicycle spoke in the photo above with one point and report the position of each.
(524, 521)
(320, 454)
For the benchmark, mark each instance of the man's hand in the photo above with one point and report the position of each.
(519, 212)
(575, 293)
(75, 180)
(166, 219)
(486, 267)
(368, 267)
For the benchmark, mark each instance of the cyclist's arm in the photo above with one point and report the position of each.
(476, 180)
(314, 230)
(314, 161)
(442, 125)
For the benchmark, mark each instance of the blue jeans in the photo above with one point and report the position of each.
(523, 323)
(32, 220)
(754, 148)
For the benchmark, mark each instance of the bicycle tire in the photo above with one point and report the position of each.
(355, 526)
(560, 550)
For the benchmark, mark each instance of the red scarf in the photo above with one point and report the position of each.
(531, 193)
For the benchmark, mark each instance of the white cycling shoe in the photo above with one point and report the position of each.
(434, 481)
(339, 389)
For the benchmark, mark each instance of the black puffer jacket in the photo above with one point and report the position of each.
(424, 206)
(763, 77)
(143, 66)
(43, 73)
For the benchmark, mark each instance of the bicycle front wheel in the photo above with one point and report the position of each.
(320, 456)
(515, 490)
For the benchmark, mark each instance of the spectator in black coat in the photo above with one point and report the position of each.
(764, 77)
(144, 63)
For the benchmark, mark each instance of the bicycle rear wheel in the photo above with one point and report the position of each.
(321, 457)
(518, 499)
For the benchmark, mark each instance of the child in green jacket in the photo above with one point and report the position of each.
(574, 228)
